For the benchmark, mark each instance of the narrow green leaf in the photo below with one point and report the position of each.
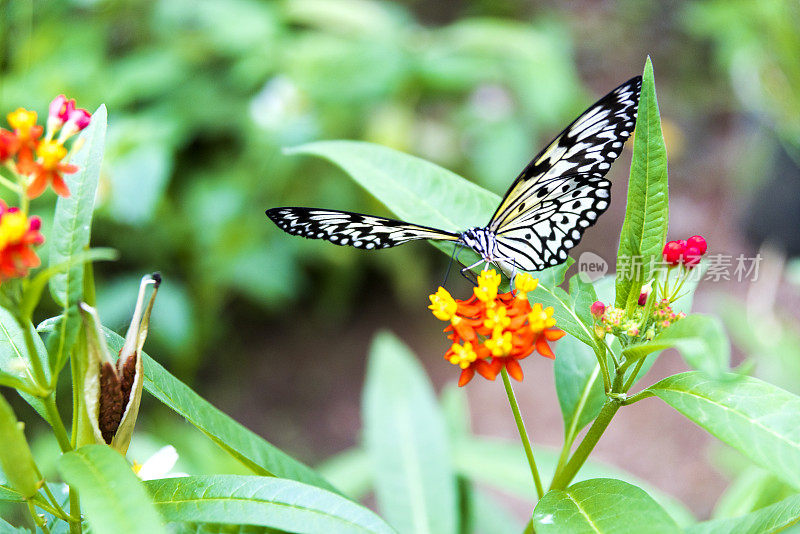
(262, 501)
(112, 497)
(700, 339)
(72, 224)
(9, 495)
(601, 505)
(15, 455)
(14, 356)
(754, 417)
(405, 438)
(244, 445)
(774, 518)
(579, 385)
(646, 216)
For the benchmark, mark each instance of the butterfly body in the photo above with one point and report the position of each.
(544, 213)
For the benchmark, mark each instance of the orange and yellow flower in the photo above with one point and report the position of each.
(18, 235)
(491, 331)
(40, 161)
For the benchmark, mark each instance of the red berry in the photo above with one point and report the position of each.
(699, 242)
(643, 298)
(674, 251)
(598, 309)
(692, 256)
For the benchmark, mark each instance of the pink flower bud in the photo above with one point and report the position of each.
(598, 309)
(81, 118)
(60, 109)
(36, 223)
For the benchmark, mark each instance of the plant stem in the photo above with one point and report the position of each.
(58, 425)
(75, 511)
(632, 378)
(37, 519)
(523, 434)
(563, 477)
(33, 356)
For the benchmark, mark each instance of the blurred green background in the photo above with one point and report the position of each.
(203, 95)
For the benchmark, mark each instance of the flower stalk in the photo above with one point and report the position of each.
(523, 433)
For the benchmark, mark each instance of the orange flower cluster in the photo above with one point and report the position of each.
(492, 331)
(40, 160)
(18, 235)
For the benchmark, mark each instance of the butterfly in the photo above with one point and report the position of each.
(544, 213)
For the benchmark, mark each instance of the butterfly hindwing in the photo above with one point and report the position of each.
(588, 146)
(353, 229)
(565, 207)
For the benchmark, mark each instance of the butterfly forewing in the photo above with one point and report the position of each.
(353, 229)
(543, 215)
(588, 146)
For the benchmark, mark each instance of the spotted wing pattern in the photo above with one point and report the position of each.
(353, 229)
(563, 191)
(588, 146)
(565, 207)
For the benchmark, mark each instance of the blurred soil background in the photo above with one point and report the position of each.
(275, 330)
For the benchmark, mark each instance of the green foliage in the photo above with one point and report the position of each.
(768, 520)
(115, 501)
(72, 226)
(405, 439)
(15, 456)
(261, 501)
(646, 214)
(594, 506)
(752, 416)
(700, 339)
(579, 385)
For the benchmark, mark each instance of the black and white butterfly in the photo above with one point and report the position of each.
(544, 213)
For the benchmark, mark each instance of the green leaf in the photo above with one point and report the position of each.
(14, 356)
(774, 518)
(252, 450)
(9, 495)
(700, 339)
(405, 438)
(502, 465)
(754, 417)
(601, 505)
(72, 226)
(262, 501)
(112, 497)
(72, 222)
(15, 455)
(644, 230)
(564, 311)
(415, 190)
(579, 384)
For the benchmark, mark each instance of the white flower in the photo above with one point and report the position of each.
(159, 465)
